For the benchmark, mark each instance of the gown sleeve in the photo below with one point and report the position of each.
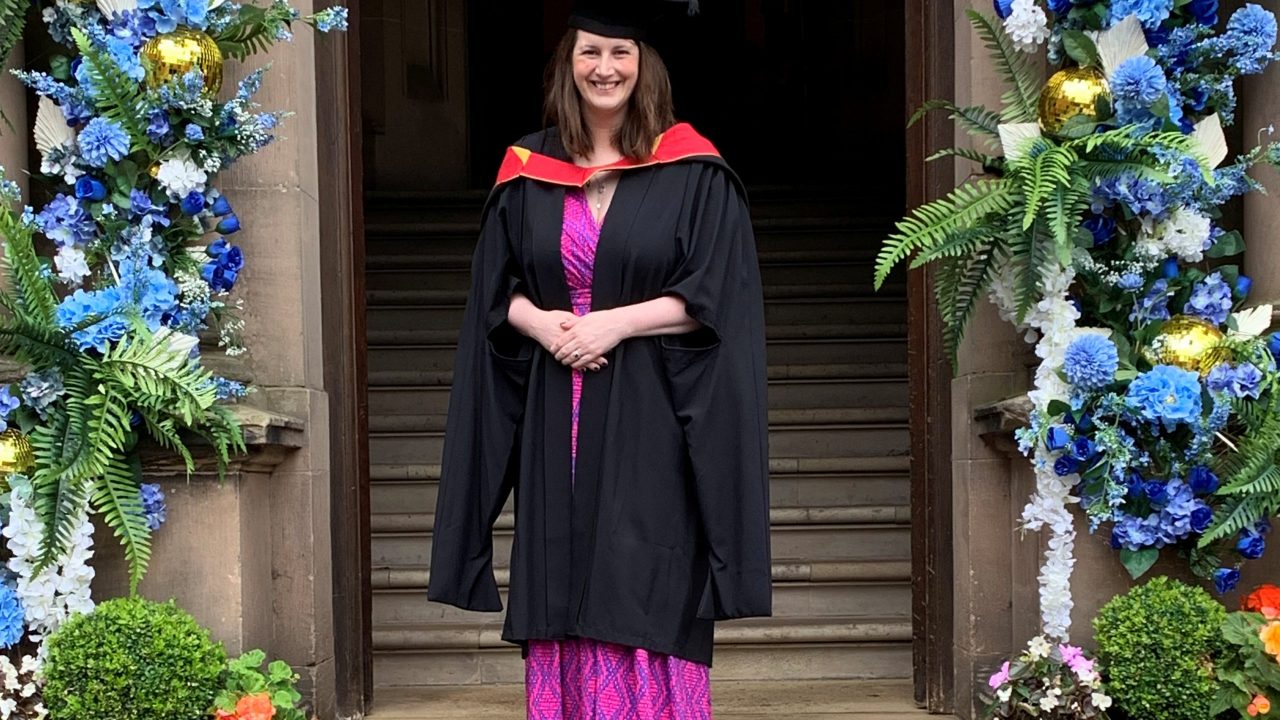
(486, 405)
(718, 385)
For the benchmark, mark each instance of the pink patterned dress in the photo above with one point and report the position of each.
(581, 678)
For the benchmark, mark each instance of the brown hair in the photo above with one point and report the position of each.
(649, 110)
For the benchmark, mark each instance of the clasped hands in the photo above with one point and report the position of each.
(580, 342)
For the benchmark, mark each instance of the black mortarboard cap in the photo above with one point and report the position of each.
(632, 19)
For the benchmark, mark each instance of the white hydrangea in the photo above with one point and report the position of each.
(1183, 234)
(18, 698)
(72, 266)
(58, 591)
(180, 176)
(1027, 25)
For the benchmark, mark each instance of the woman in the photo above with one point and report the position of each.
(611, 370)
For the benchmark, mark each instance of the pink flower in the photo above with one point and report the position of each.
(1081, 666)
(1070, 653)
(999, 678)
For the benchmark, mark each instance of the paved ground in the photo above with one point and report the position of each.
(826, 700)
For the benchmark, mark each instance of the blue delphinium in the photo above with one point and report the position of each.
(12, 617)
(1150, 12)
(42, 389)
(1091, 362)
(1166, 395)
(335, 18)
(66, 222)
(1210, 300)
(153, 506)
(102, 141)
(1136, 85)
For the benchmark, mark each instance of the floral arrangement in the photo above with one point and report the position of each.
(114, 281)
(1048, 681)
(251, 695)
(1248, 669)
(1096, 229)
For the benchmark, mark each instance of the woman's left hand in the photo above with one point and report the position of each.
(587, 339)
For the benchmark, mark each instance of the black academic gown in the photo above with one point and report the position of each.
(666, 528)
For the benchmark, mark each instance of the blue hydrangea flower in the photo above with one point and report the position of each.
(12, 617)
(102, 141)
(194, 133)
(1210, 300)
(158, 126)
(149, 290)
(42, 389)
(1130, 282)
(169, 14)
(83, 304)
(125, 57)
(8, 403)
(1152, 306)
(1091, 362)
(229, 389)
(1166, 395)
(1202, 480)
(145, 212)
(1150, 12)
(1226, 579)
(66, 222)
(1140, 195)
(153, 506)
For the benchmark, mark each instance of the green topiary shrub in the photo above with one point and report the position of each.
(132, 659)
(1155, 644)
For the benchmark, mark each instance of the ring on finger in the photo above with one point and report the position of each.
(577, 355)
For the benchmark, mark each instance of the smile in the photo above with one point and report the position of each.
(606, 86)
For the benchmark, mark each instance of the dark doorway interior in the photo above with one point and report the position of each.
(792, 92)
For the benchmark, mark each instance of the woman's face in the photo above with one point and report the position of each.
(605, 70)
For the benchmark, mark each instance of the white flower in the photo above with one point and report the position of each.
(1038, 647)
(181, 177)
(1048, 702)
(1100, 701)
(1004, 693)
(58, 591)
(1027, 25)
(1184, 234)
(73, 268)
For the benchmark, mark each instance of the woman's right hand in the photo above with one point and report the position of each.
(541, 325)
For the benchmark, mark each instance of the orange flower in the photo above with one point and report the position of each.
(255, 707)
(224, 715)
(1262, 703)
(1270, 636)
(1264, 599)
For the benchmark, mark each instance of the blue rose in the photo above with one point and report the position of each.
(1242, 287)
(232, 259)
(193, 203)
(1102, 227)
(1273, 344)
(228, 224)
(1066, 465)
(1202, 480)
(1204, 11)
(1201, 518)
(1251, 546)
(1003, 8)
(221, 206)
(89, 189)
(1082, 448)
(1156, 491)
(1057, 438)
(1169, 269)
(1226, 579)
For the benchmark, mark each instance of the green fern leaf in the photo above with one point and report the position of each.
(117, 96)
(1013, 67)
(117, 496)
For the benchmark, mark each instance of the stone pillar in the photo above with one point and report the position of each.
(1259, 110)
(13, 141)
(990, 575)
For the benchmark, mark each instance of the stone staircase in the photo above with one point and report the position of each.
(838, 439)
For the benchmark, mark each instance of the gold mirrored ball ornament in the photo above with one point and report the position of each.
(169, 56)
(1073, 100)
(15, 453)
(1189, 343)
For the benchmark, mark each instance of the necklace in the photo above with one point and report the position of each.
(599, 180)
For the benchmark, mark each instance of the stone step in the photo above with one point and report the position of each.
(749, 631)
(735, 662)
(398, 606)
(852, 311)
(385, 359)
(783, 394)
(807, 543)
(435, 422)
(870, 464)
(785, 491)
(785, 441)
(731, 700)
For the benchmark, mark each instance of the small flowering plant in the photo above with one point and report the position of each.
(1048, 680)
(254, 694)
(1248, 668)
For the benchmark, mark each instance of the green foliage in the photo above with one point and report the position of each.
(1243, 667)
(254, 31)
(1251, 475)
(1014, 68)
(132, 659)
(117, 97)
(244, 676)
(13, 18)
(1157, 642)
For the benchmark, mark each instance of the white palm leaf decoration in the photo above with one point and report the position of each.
(113, 8)
(1211, 140)
(51, 130)
(1252, 322)
(1014, 138)
(1120, 42)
